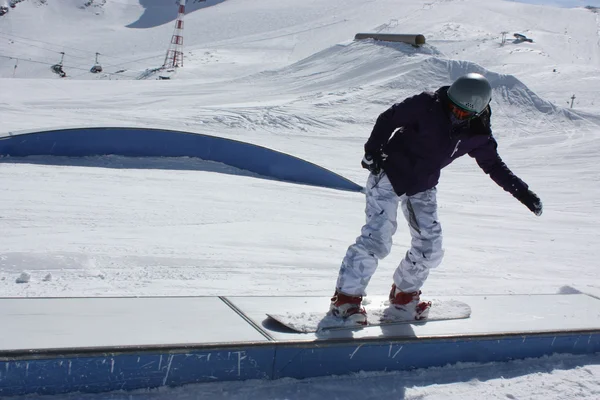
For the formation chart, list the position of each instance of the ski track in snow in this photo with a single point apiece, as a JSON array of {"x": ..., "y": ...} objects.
[{"x": 287, "y": 75}]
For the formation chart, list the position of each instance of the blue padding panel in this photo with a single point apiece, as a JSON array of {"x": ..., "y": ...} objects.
[
  {"x": 339, "y": 359},
  {"x": 138, "y": 142},
  {"x": 126, "y": 371},
  {"x": 103, "y": 373}
]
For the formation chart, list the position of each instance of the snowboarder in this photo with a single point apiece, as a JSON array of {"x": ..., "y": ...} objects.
[{"x": 409, "y": 145}]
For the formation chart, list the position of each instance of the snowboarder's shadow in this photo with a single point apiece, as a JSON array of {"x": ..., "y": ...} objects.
[
  {"x": 272, "y": 325},
  {"x": 329, "y": 328},
  {"x": 399, "y": 331}
]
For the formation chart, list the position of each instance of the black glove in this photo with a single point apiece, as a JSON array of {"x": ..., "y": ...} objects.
[
  {"x": 373, "y": 162},
  {"x": 532, "y": 201}
]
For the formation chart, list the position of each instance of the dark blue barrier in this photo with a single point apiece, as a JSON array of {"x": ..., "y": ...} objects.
[
  {"x": 353, "y": 357},
  {"x": 69, "y": 371},
  {"x": 141, "y": 142},
  {"x": 96, "y": 373}
]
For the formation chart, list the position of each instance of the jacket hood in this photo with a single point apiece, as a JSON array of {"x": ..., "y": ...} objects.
[{"x": 442, "y": 94}]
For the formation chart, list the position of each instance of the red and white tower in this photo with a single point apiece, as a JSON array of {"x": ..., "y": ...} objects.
[{"x": 174, "y": 57}]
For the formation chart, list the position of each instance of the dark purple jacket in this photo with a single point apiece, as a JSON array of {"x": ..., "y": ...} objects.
[{"x": 420, "y": 139}]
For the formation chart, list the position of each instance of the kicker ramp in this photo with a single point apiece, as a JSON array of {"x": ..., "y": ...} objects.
[{"x": 63, "y": 345}]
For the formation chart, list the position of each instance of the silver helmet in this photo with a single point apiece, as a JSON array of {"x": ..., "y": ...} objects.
[{"x": 471, "y": 92}]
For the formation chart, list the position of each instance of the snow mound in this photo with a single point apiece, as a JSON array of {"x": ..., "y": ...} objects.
[
  {"x": 25, "y": 277},
  {"x": 508, "y": 89},
  {"x": 388, "y": 72}
]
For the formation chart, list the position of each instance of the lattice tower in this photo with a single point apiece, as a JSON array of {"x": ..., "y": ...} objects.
[{"x": 174, "y": 57}]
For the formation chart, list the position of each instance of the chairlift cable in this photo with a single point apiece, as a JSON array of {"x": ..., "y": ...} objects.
[
  {"x": 58, "y": 45},
  {"x": 20, "y": 58},
  {"x": 43, "y": 48},
  {"x": 68, "y": 55},
  {"x": 78, "y": 66},
  {"x": 80, "y": 57}
]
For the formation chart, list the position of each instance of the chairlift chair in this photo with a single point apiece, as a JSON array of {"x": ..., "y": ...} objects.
[
  {"x": 522, "y": 38},
  {"x": 97, "y": 67},
  {"x": 58, "y": 68}
]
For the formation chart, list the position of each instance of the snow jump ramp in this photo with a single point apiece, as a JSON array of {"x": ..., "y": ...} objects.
[{"x": 62, "y": 345}]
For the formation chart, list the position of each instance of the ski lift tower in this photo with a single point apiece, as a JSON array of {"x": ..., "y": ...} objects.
[{"x": 174, "y": 57}]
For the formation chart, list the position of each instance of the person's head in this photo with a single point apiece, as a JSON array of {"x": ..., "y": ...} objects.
[{"x": 469, "y": 96}]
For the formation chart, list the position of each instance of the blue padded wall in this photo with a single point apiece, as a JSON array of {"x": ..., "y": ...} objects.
[
  {"x": 141, "y": 142},
  {"x": 94, "y": 373},
  {"x": 347, "y": 357},
  {"x": 127, "y": 370}
]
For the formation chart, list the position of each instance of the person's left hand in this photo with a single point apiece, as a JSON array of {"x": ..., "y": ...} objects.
[{"x": 532, "y": 201}]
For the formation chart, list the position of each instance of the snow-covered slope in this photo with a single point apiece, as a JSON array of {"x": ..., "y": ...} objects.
[
  {"x": 287, "y": 75},
  {"x": 235, "y": 37}
]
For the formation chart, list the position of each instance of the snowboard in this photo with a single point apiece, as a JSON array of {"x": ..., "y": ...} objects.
[{"x": 377, "y": 315}]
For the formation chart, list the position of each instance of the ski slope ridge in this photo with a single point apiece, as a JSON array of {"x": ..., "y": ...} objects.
[
  {"x": 291, "y": 32},
  {"x": 314, "y": 96},
  {"x": 346, "y": 75},
  {"x": 337, "y": 79}
]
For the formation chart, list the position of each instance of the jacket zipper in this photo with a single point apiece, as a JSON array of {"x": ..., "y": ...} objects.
[{"x": 456, "y": 148}]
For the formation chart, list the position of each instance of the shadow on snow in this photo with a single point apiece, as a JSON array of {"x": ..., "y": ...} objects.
[
  {"x": 122, "y": 162},
  {"x": 160, "y": 12}
]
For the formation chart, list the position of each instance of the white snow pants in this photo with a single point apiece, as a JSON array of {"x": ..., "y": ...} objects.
[{"x": 375, "y": 241}]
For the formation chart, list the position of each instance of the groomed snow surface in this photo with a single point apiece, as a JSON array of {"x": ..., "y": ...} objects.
[{"x": 287, "y": 75}]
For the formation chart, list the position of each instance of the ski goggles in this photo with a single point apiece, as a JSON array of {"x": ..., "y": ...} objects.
[{"x": 461, "y": 113}]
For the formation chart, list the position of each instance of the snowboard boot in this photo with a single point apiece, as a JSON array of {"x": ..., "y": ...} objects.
[
  {"x": 408, "y": 305},
  {"x": 348, "y": 307}
]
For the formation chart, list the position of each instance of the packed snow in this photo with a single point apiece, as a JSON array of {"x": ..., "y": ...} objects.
[{"x": 289, "y": 76}]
